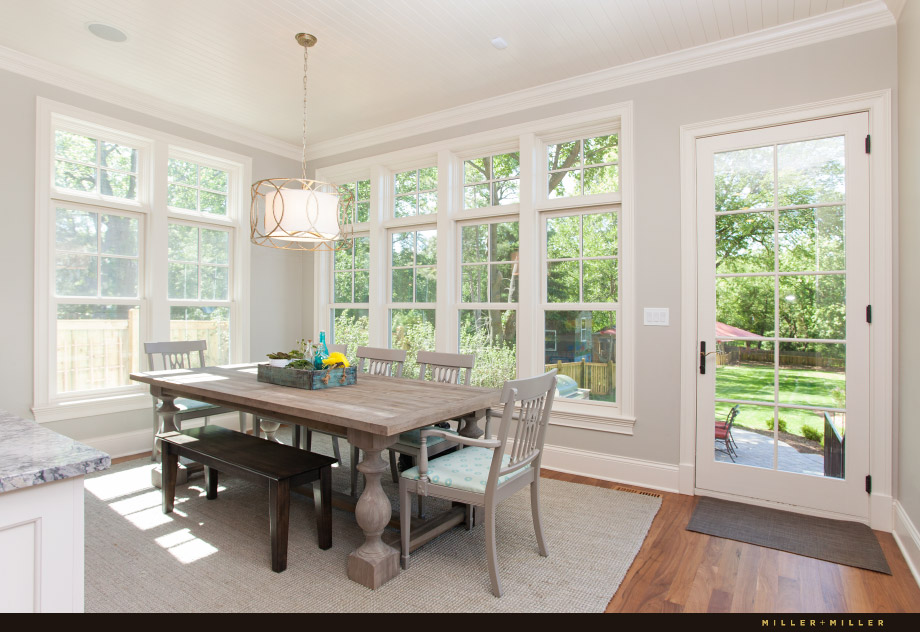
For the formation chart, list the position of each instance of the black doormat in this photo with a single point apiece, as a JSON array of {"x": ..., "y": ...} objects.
[{"x": 837, "y": 541}]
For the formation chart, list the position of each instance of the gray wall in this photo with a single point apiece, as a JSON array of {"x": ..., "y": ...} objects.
[
  {"x": 908, "y": 438},
  {"x": 276, "y": 314},
  {"x": 856, "y": 64}
]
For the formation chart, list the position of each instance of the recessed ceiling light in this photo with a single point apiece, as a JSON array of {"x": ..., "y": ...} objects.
[
  {"x": 106, "y": 32},
  {"x": 499, "y": 43}
]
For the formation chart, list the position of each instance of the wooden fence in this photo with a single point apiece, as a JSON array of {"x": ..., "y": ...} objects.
[
  {"x": 600, "y": 377},
  {"x": 743, "y": 354},
  {"x": 95, "y": 354}
]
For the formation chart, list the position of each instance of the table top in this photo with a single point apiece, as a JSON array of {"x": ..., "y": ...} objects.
[
  {"x": 32, "y": 455},
  {"x": 379, "y": 405}
]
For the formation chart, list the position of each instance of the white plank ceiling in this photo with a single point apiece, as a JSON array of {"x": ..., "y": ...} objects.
[{"x": 377, "y": 62}]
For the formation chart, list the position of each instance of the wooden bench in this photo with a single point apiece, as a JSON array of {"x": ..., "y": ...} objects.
[{"x": 282, "y": 466}]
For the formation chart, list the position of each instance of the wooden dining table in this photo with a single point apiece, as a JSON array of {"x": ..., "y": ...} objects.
[{"x": 371, "y": 414}]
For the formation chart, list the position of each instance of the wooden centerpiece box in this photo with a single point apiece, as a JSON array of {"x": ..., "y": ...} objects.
[{"x": 310, "y": 379}]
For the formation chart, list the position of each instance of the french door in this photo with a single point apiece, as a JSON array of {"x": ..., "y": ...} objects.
[{"x": 783, "y": 278}]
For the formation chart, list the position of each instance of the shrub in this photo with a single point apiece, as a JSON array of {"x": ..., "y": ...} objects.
[
  {"x": 783, "y": 426},
  {"x": 811, "y": 433}
]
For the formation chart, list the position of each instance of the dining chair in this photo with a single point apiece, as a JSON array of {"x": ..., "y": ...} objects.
[
  {"x": 444, "y": 368},
  {"x": 379, "y": 361},
  {"x": 487, "y": 471},
  {"x": 179, "y": 354}
]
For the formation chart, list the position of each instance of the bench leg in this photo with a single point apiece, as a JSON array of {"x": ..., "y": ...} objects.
[
  {"x": 322, "y": 505},
  {"x": 298, "y": 429},
  {"x": 169, "y": 469},
  {"x": 210, "y": 482},
  {"x": 279, "y": 493}
]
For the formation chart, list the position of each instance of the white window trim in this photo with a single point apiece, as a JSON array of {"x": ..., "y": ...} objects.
[
  {"x": 155, "y": 148},
  {"x": 530, "y": 139}
]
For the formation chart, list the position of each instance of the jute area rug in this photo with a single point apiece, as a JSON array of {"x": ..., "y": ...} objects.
[
  {"x": 214, "y": 556},
  {"x": 838, "y": 541}
]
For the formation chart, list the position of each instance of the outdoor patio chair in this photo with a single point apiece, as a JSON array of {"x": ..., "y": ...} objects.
[{"x": 724, "y": 433}]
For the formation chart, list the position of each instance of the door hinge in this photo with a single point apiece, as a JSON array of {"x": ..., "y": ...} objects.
[
  {"x": 869, "y": 484},
  {"x": 868, "y": 144},
  {"x": 869, "y": 314}
]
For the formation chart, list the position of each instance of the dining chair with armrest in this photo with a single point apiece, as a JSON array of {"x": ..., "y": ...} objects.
[
  {"x": 180, "y": 354},
  {"x": 487, "y": 471}
]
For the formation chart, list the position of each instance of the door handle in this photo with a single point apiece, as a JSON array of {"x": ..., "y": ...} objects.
[{"x": 703, "y": 355}]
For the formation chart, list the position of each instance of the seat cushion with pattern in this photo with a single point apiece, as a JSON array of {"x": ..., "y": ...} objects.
[
  {"x": 184, "y": 404},
  {"x": 414, "y": 437},
  {"x": 466, "y": 469}
]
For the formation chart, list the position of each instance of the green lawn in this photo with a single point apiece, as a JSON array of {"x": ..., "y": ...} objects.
[{"x": 753, "y": 382}]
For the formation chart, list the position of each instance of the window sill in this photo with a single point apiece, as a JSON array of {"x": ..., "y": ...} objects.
[
  {"x": 75, "y": 409},
  {"x": 618, "y": 424}
]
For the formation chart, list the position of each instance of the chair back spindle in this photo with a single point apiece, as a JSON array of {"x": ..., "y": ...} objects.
[
  {"x": 387, "y": 362},
  {"x": 534, "y": 397},
  {"x": 446, "y": 368},
  {"x": 175, "y": 354}
]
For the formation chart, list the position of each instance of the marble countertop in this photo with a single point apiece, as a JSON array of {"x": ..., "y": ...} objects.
[{"x": 32, "y": 455}]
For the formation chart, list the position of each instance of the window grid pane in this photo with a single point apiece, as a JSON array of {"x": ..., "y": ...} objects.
[
  {"x": 198, "y": 263},
  {"x": 416, "y": 192},
  {"x": 89, "y": 165},
  {"x": 492, "y": 180},
  {"x": 588, "y": 166},
  {"x": 413, "y": 266},
  {"x": 196, "y": 187}
]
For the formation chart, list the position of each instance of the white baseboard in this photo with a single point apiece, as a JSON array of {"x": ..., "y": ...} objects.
[
  {"x": 908, "y": 539},
  {"x": 608, "y": 467},
  {"x": 140, "y": 441}
]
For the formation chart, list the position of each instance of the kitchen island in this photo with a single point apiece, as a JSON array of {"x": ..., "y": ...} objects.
[{"x": 41, "y": 516}]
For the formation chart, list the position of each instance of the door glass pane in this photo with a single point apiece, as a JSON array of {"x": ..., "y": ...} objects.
[
  {"x": 813, "y": 374},
  {"x": 812, "y": 306},
  {"x": 744, "y": 179},
  {"x": 744, "y": 243},
  {"x": 811, "y": 172},
  {"x": 744, "y": 370},
  {"x": 812, "y": 240},
  {"x": 749, "y": 438},
  {"x": 746, "y": 305},
  {"x": 806, "y": 445}
]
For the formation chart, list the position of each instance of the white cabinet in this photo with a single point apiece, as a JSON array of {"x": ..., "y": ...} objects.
[{"x": 41, "y": 547}]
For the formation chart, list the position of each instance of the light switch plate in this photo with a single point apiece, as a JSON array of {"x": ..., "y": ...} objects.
[{"x": 657, "y": 316}]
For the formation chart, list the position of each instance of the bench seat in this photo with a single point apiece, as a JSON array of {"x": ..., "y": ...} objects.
[{"x": 281, "y": 466}]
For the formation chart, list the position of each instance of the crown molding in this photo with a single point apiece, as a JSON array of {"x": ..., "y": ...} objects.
[
  {"x": 841, "y": 23},
  {"x": 54, "y": 74},
  {"x": 836, "y": 24}
]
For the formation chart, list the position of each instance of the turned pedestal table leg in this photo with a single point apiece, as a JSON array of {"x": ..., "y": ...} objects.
[{"x": 373, "y": 563}]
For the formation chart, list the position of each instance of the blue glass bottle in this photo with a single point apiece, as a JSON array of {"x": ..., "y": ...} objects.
[{"x": 322, "y": 342}]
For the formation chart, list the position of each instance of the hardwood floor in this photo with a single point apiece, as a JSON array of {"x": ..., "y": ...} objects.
[{"x": 682, "y": 571}]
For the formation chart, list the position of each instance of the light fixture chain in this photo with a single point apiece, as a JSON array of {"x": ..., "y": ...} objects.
[{"x": 303, "y": 161}]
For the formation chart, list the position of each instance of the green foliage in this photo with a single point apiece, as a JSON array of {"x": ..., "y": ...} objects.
[
  {"x": 806, "y": 240},
  {"x": 582, "y": 236},
  {"x": 812, "y": 434},
  {"x": 491, "y": 336},
  {"x": 571, "y": 167},
  {"x": 413, "y": 330},
  {"x": 783, "y": 425},
  {"x": 351, "y": 328}
]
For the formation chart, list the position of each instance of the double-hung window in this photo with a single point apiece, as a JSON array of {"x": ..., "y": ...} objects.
[
  {"x": 137, "y": 239},
  {"x": 516, "y": 248}
]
